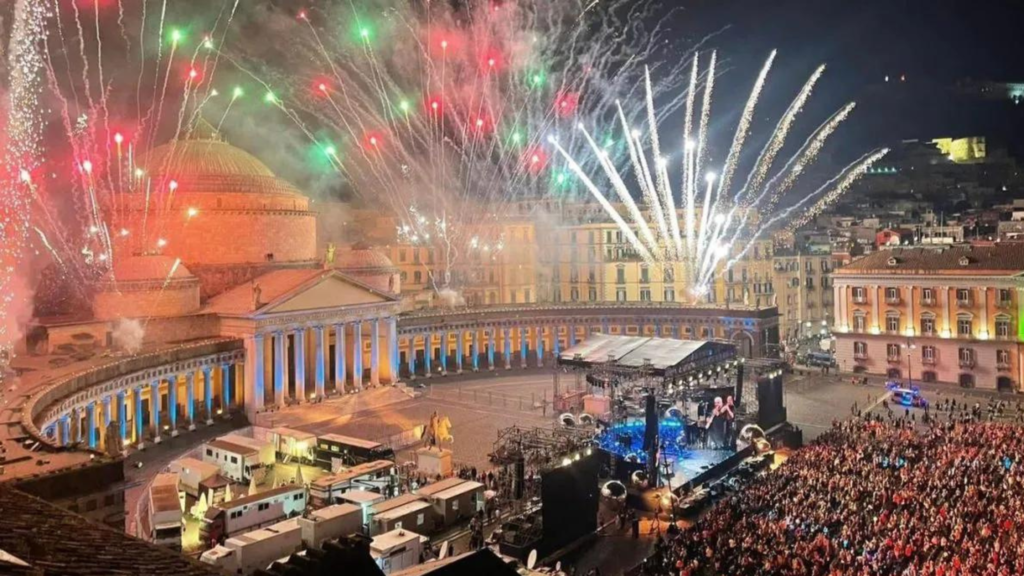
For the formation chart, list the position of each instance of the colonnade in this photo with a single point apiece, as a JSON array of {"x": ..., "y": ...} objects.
[
  {"x": 428, "y": 352},
  {"x": 298, "y": 363},
  {"x": 149, "y": 410}
]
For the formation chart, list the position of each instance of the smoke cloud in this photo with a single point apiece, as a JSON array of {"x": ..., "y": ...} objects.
[{"x": 128, "y": 335}]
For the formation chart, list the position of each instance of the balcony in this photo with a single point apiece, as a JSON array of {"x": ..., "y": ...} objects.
[
  {"x": 930, "y": 301},
  {"x": 964, "y": 302},
  {"x": 1002, "y": 365},
  {"x": 860, "y": 355},
  {"x": 860, "y": 299},
  {"x": 967, "y": 362},
  {"x": 895, "y": 300},
  {"x": 928, "y": 361},
  {"x": 893, "y": 359},
  {"x": 1004, "y": 304}
]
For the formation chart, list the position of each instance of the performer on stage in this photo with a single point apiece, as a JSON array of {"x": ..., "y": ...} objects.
[{"x": 716, "y": 425}]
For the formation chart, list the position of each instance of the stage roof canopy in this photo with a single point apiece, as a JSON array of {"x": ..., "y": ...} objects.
[{"x": 666, "y": 355}]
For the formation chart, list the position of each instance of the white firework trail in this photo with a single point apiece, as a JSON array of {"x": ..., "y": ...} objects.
[
  {"x": 706, "y": 250},
  {"x": 21, "y": 156}
]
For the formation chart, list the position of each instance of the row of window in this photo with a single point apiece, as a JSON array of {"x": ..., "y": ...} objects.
[
  {"x": 1004, "y": 296},
  {"x": 964, "y": 324},
  {"x": 929, "y": 354}
]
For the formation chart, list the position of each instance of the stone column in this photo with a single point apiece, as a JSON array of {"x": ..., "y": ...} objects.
[
  {"x": 393, "y": 359},
  {"x": 320, "y": 370},
  {"x": 539, "y": 333},
  {"x": 572, "y": 335},
  {"x": 65, "y": 426},
  {"x": 300, "y": 364},
  {"x": 444, "y": 353},
  {"x": 876, "y": 327},
  {"x": 154, "y": 409},
  {"x": 909, "y": 329},
  {"x": 208, "y": 392},
  {"x": 411, "y": 356},
  {"x": 357, "y": 355},
  {"x": 605, "y": 328},
  {"x": 524, "y": 345},
  {"x": 506, "y": 342},
  {"x": 837, "y": 305},
  {"x": 108, "y": 417},
  {"x": 556, "y": 344},
  {"x": 90, "y": 422},
  {"x": 190, "y": 399},
  {"x": 137, "y": 400},
  {"x": 279, "y": 369},
  {"x": 475, "y": 348},
  {"x": 122, "y": 417},
  {"x": 254, "y": 364},
  {"x": 226, "y": 383},
  {"x": 459, "y": 348},
  {"x": 172, "y": 403},
  {"x": 490, "y": 348},
  {"x": 984, "y": 334},
  {"x": 375, "y": 352},
  {"x": 947, "y": 318},
  {"x": 428, "y": 354},
  {"x": 339, "y": 358}
]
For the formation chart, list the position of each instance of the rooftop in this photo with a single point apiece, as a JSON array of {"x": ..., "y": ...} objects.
[
  {"x": 232, "y": 447},
  {"x": 51, "y": 540},
  {"x": 440, "y": 486},
  {"x": 997, "y": 260},
  {"x": 468, "y": 486}
]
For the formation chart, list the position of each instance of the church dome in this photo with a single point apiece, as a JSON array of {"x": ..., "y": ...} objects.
[
  {"x": 362, "y": 258},
  {"x": 204, "y": 162},
  {"x": 370, "y": 266}
]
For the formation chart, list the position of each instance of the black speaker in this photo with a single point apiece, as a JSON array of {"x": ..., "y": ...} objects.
[
  {"x": 569, "y": 500},
  {"x": 650, "y": 423},
  {"x": 738, "y": 395},
  {"x": 519, "y": 486},
  {"x": 770, "y": 410}
]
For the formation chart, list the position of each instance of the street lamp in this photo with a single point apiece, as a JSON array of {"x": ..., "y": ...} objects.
[{"x": 909, "y": 346}]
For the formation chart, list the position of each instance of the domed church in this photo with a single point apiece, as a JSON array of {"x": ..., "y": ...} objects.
[
  {"x": 218, "y": 251},
  {"x": 221, "y": 211}
]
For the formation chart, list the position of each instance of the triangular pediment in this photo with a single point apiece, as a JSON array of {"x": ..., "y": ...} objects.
[{"x": 332, "y": 291}]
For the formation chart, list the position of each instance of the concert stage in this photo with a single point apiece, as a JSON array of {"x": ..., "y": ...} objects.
[{"x": 681, "y": 451}]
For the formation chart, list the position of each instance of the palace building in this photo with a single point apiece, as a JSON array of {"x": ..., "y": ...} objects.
[{"x": 949, "y": 314}]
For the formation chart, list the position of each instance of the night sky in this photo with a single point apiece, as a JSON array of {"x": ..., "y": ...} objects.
[{"x": 934, "y": 44}]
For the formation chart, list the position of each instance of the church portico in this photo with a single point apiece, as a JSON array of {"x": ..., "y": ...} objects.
[{"x": 312, "y": 333}]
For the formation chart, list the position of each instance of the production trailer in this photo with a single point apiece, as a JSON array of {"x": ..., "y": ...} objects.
[
  {"x": 192, "y": 473},
  {"x": 238, "y": 457},
  {"x": 334, "y": 451},
  {"x": 377, "y": 476},
  {"x": 228, "y": 519},
  {"x": 454, "y": 501},
  {"x": 294, "y": 445}
]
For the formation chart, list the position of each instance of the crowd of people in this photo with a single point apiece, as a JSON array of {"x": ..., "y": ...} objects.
[{"x": 870, "y": 497}]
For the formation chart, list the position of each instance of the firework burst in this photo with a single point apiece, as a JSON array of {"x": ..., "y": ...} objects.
[{"x": 707, "y": 244}]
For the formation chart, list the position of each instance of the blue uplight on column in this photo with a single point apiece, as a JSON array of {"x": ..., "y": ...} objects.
[
  {"x": 444, "y": 352},
  {"x": 190, "y": 399},
  {"x": 475, "y": 346},
  {"x": 524, "y": 343},
  {"x": 208, "y": 392},
  {"x": 319, "y": 375},
  {"x": 490, "y": 349},
  {"x": 90, "y": 422}
]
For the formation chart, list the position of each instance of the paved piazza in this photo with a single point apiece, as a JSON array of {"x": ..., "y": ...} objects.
[{"x": 481, "y": 404}]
